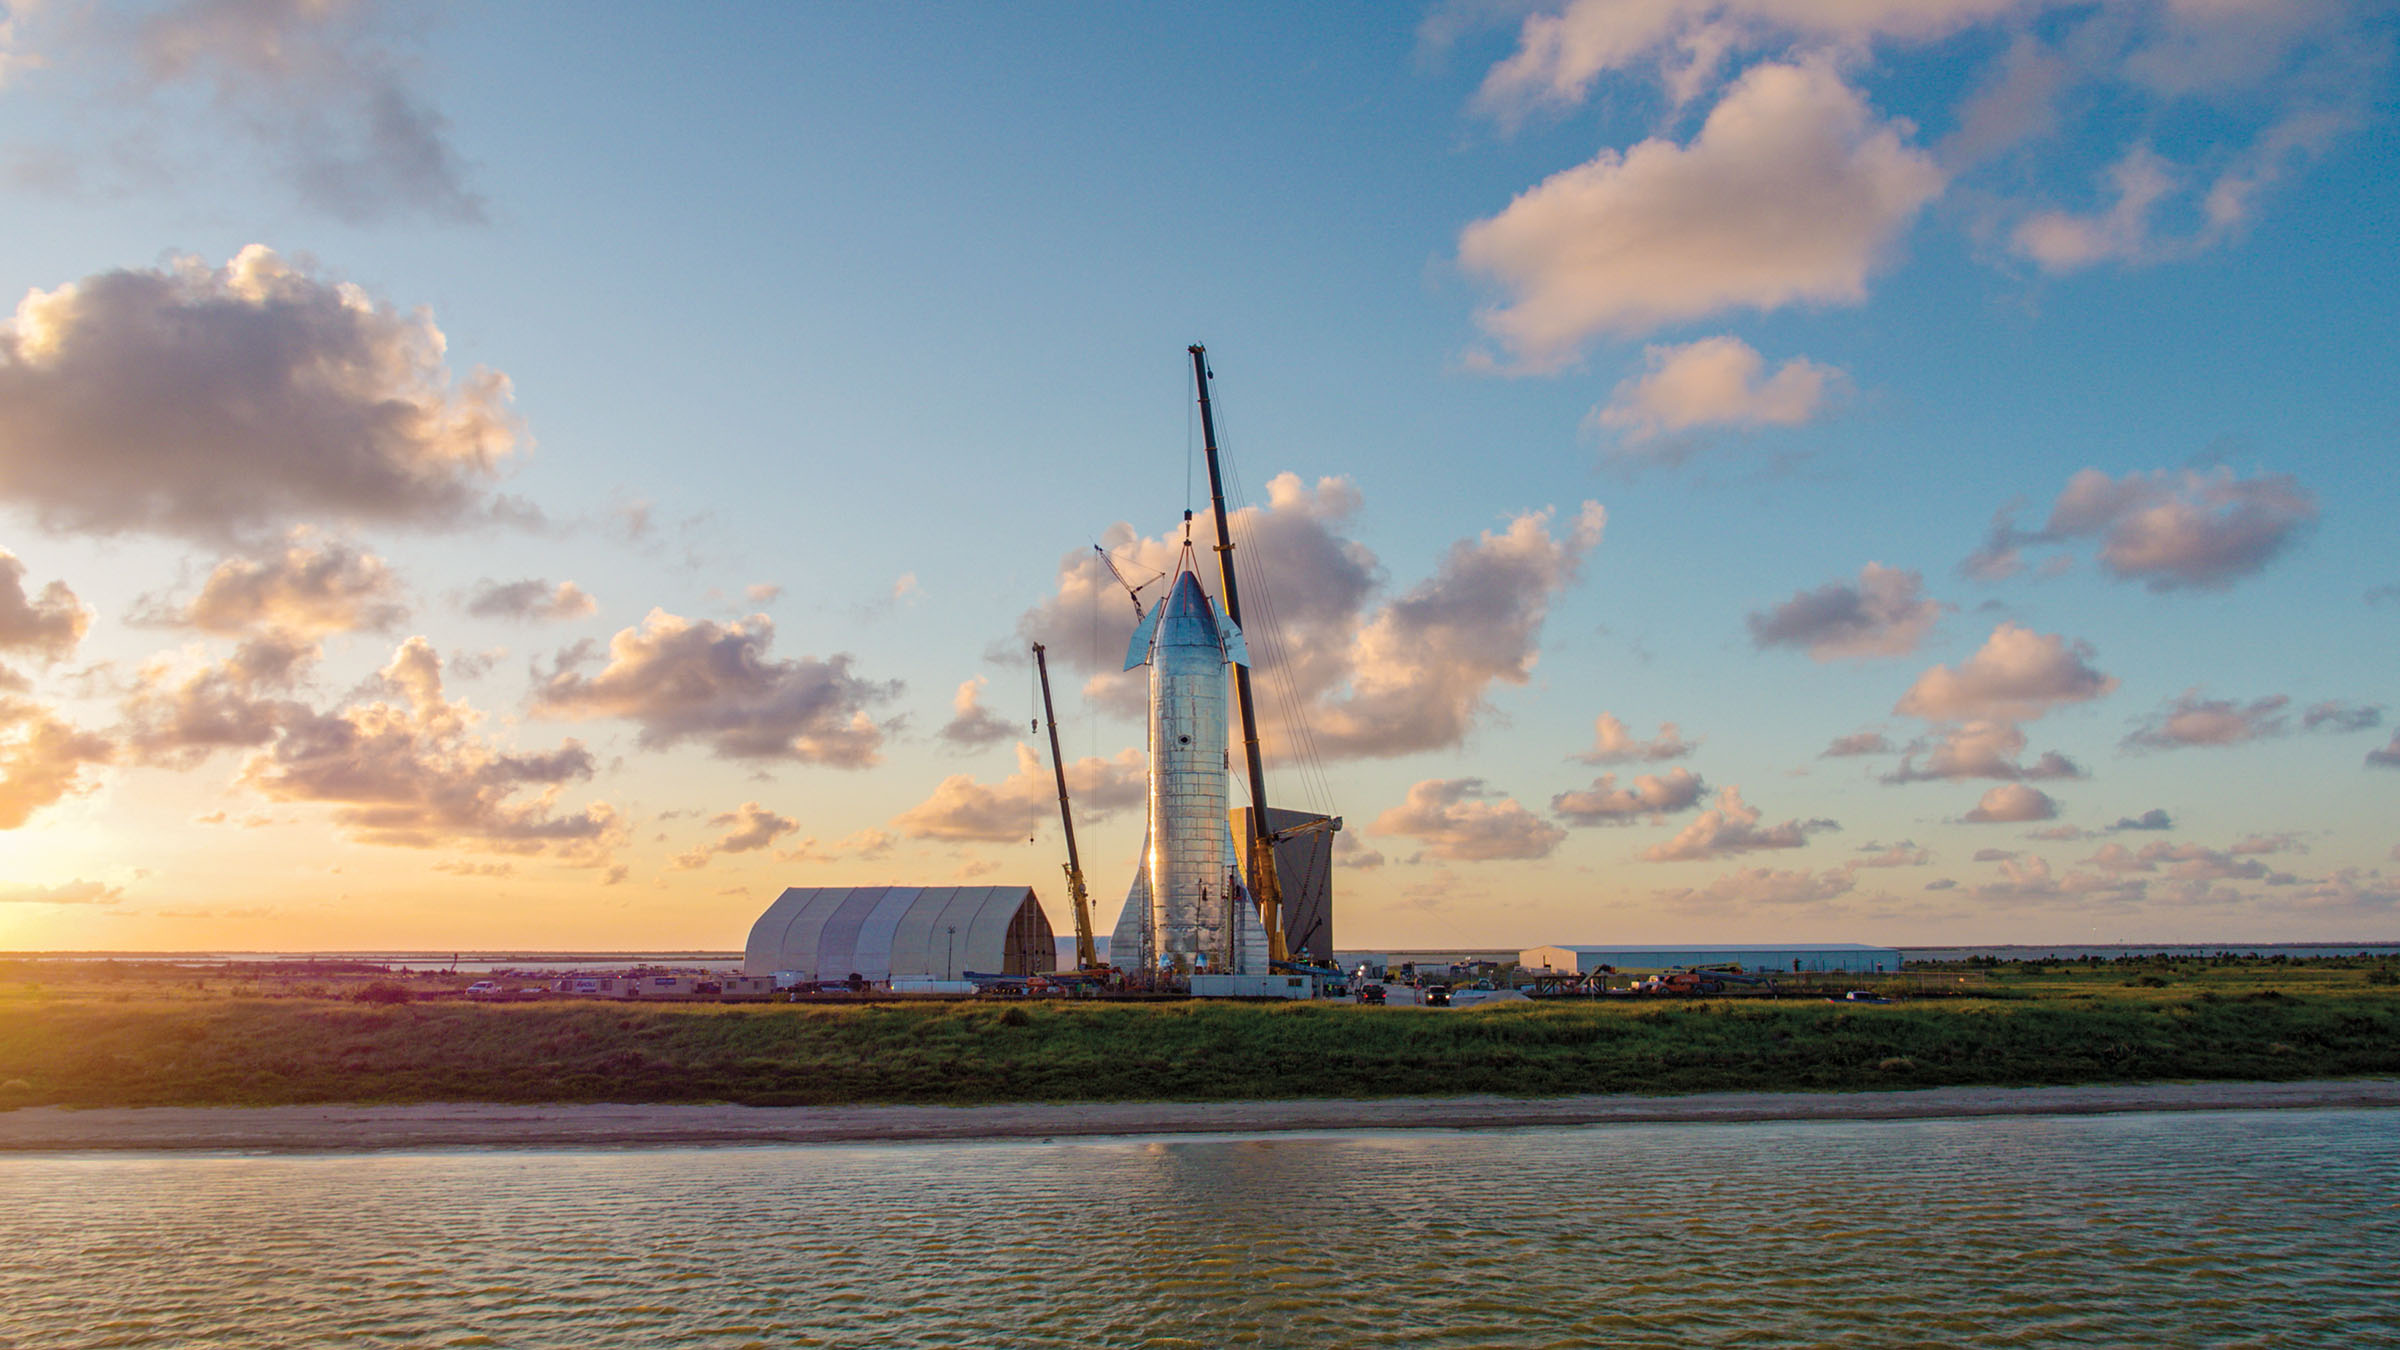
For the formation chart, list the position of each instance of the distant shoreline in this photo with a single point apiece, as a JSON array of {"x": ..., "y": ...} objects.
[{"x": 483, "y": 1125}]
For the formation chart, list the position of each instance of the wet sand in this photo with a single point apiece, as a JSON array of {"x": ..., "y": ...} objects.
[{"x": 302, "y": 1128}]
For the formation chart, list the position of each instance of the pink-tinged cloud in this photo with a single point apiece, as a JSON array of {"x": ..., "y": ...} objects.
[
  {"x": 2388, "y": 757},
  {"x": 2031, "y": 881},
  {"x": 2169, "y": 529},
  {"x": 2335, "y": 716},
  {"x": 748, "y": 828},
  {"x": 1732, "y": 827},
  {"x": 530, "y": 601},
  {"x": 2187, "y": 862},
  {"x": 695, "y": 680},
  {"x": 1371, "y": 681},
  {"x": 1884, "y": 613},
  {"x": 971, "y": 724},
  {"x": 1562, "y": 49},
  {"x": 1714, "y": 382},
  {"x": 176, "y": 716},
  {"x": 863, "y": 844},
  {"x": 76, "y": 892},
  {"x": 309, "y": 588},
  {"x": 1858, "y": 743},
  {"x": 1979, "y": 750},
  {"x": 1613, "y": 744},
  {"x": 48, "y": 624},
  {"x": 1447, "y": 815},
  {"x": 1421, "y": 669},
  {"x": 216, "y": 403},
  {"x": 42, "y": 759},
  {"x": 1666, "y": 233},
  {"x": 1648, "y": 797},
  {"x": 2018, "y": 675},
  {"x": 404, "y": 767},
  {"x": 2191, "y": 720},
  {"x": 2012, "y": 804},
  {"x": 1762, "y": 888},
  {"x": 2155, "y": 818},
  {"x": 1017, "y": 807}
]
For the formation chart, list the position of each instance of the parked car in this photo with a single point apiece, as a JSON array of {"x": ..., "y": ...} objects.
[
  {"x": 1371, "y": 993},
  {"x": 485, "y": 989},
  {"x": 1437, "y": 996}
]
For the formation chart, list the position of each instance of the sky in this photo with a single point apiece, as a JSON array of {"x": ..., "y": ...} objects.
[{"x": 1896, "y": 471}]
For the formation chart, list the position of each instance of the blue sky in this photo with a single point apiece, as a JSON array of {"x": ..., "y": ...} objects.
[{"x": 478, "y": 480}]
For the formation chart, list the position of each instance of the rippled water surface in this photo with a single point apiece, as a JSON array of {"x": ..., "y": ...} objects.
[{"x": 2233, "y": 1228}]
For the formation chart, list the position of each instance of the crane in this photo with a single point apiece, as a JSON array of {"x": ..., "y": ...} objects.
[
  {"x": 1132, "y": 592},
  {"x": 1087, "y": 957}
]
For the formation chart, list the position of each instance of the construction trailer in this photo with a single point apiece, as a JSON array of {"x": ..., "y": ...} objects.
[
  {"x": 1254, "y": 986},
  {"x": 1789, "y": 958}
]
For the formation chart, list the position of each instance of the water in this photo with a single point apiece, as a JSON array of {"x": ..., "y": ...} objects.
[{"x": 2231, "y": 1228}]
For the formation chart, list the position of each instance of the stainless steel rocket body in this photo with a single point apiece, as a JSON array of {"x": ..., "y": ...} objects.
[{"x": 1187, "y": 910}]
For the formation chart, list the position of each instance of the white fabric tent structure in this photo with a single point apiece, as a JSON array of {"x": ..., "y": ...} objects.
[{"x": 878, "y": 932}]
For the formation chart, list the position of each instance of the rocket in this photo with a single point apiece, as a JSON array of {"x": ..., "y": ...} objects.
[{"x": 1188, "y": 911}]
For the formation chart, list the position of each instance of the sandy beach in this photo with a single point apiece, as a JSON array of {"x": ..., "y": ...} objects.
[{"x": 468, "y": 1125}]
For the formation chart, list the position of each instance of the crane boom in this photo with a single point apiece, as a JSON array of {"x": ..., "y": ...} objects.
[
  {"x": 1087, "y": 957},
  {"x": 1264, "y": 885}
]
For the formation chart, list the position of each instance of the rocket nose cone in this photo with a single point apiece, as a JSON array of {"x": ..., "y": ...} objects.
[{"x": 1190, "y": 620}]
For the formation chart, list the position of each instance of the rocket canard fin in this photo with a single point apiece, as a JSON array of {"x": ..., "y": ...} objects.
[{"x": 1137, "y": 652}]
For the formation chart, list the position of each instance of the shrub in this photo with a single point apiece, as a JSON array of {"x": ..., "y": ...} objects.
[{"x": 382, "y": 991}]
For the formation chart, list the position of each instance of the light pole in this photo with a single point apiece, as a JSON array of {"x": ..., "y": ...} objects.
[{"x": 949, "y": 955}]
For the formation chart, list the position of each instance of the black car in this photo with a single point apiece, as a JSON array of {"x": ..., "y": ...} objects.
[
  {"x": 1371, "y": 993},
  {"x": 1437, "y": 996}
]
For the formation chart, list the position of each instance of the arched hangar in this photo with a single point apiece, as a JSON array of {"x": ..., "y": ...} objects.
[{"x": 878, "y": 932}]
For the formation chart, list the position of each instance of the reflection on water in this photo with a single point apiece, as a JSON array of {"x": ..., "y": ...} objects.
[{"x": 2233, "y": 1228}]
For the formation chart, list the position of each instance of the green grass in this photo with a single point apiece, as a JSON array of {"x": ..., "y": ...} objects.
[{"x": 94, "y": 1048}]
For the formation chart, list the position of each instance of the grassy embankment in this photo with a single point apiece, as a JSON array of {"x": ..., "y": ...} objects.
[{"x": 105, "y": 1040}]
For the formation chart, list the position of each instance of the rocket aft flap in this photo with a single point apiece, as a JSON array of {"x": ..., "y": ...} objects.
[{"x": 1188, "y": 910}]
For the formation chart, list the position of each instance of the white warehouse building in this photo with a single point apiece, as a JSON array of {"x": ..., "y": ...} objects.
[{"x": 1792, "y": 958}]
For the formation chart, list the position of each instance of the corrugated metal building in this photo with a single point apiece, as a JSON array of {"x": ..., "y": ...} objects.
[
  {"x": 877, "y": 932},
  {"x": 1792, "y": 957}
]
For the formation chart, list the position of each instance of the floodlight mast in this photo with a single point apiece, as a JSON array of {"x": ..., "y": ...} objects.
[
  {"x": 1264, "y": 885},
  {"x": 1087, "y": 957}
]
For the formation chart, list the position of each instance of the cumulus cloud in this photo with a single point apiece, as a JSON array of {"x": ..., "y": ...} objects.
[
  {"x": 1884, "y": 613},
  {"x": 76, "y": 892},
  {"x": 1449, "y": 817},
  {"x": 698, "y": 680},
  {"x": 2169, "y": 529},
  {"x": 176, "y": 716},
  {"x": 2192, "y": 720},
  {"x": 42, "y": 759},
  {"x": 1420, "y": 669},
  {"x": 1613, "y": 744},
  {"x": 1664, "y": 233},
  {"x": 1731, "y": 827},
  {"x": 2013, "y": 803},
  {"x": 971, "y": 724},
  {"x": 1763, "y": 888},
  {"x": 748, "y": 828},
  {"x": 1015, "y": 807},
  {"x": 532, "y": 601},
  {"x": 1718, "y": 381},
  {"x": 2018, "y": 674},
  {"x": 2388, "y": 757},
  {"x": 324, "y": 95},
  {"x": 406, "y": 767},
  {"x": 1413, "y": 673},
  {"x": 2334, "y": 716},
  {"x": 1857, "y": 743},
  {"x": 867, "y": 843},
  {"x": 310, "y": 588},
  {"x": 2030, "y": 880},
  {"x": 1651, "y": 796},
  {"x": 2062, "y": 241},
  {"x": 1979, "y": 750},
  {"x": 47, "y": 624},
  {"x": 211, "y": 403},
  {"x": 2153, "y": 819}
]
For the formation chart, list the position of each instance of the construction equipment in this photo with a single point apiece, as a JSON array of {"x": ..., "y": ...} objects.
[
  {"x": 1265, "y": 887},
  {"x": 1087, "y": 957}
]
